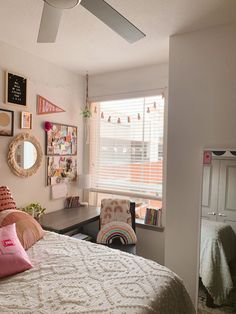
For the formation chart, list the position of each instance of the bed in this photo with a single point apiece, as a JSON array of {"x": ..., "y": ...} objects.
[
  {"x": 75, "y": 276},
  {"x": 218, "y": 250}
]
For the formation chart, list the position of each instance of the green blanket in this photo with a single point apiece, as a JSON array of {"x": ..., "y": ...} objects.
[{"x": 218, "y": 249}]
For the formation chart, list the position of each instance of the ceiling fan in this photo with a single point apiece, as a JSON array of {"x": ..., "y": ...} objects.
[{"x": 53, "y": 9}]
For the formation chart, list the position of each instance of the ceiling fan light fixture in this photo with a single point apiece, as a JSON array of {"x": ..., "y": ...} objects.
[
  {"x": 53, "y": 10},
  {"x": 63, "y": 4}
]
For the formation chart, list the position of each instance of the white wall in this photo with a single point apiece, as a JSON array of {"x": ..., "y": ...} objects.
[
  {"x": 63, "y": 88},
  {"x": 130, "y": 83},
  {"x": 202, "y": 112},
  {"x": 138, "y": 82},
  {"x": 150, "y": 244}
]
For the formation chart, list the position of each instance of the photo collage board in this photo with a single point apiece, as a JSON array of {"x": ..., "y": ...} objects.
[{"x": 61, "y": 151}]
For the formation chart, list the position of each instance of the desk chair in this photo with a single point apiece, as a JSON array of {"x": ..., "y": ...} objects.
[{"x": 117, "y": 225}]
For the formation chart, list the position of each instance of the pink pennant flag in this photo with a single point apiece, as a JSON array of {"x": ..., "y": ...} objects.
[{"x": 46, "y": 107}]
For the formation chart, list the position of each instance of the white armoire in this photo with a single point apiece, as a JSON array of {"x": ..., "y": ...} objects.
[{"x": 219, "y": 191}]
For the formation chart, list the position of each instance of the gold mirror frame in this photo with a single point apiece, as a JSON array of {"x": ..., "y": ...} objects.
[{"x": 12, "y": 150}]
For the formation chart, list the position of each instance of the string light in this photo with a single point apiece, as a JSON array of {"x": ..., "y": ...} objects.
[
  {"x": 95, "y": 109},
  {"x": 149, "y": 109}
]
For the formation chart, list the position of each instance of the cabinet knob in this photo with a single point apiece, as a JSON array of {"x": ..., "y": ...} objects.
[
  {"x": 212, "y": 214},
  {"x": 222, "y": 215}
]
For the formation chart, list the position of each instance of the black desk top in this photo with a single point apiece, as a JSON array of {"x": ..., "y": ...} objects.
[{"x": 64, "y": 220}]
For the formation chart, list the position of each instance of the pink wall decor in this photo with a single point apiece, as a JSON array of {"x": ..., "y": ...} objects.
[
  {"x": 44, "y": 106},
  {"x": 207, "y": 156},
  {"x": 47, "y": 126}
]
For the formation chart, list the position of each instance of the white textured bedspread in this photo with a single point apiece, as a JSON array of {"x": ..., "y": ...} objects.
[
  {"x": 74, "y": 276},
  {"x": 218, "y": 249}
]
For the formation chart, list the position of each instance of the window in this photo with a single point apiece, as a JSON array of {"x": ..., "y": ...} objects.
[{"x": 126, "y": 147}]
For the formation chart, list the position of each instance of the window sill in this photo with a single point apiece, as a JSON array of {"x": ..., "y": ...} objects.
[{"x": 140, "y": 224}]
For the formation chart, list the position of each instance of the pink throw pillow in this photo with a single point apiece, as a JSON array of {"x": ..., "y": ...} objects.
[{"x": 13, "y": 258}]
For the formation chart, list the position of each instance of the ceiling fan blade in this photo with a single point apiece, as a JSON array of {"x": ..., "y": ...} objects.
[
  {"x": 49, "y": 24},
  {"x": 113, "y": 19}
]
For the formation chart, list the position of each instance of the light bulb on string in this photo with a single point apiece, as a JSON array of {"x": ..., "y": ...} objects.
[
  {"x": 128, "y": 119},
  {"x": 139, "y": 117},
  {"x": 95, "y": 109},
  {"x": 102, "y": 115},
  {"x": 118, "y": 120},
  {"x": 109, "y": 119},
  {"x": 148, "y": 110},
  {"x": 155, "y": 105}
]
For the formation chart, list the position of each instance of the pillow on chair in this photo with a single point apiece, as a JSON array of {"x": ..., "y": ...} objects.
[
  {"x": 114, "y": 230},
  {"x": 115, "y": 210},
  {"x": 28, "y": 229},
  {"x": 6, "y": 199}
]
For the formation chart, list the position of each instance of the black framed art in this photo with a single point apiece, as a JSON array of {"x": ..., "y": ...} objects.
[
  {"x": 16, "y": 89},
  {"x": 6, "y": 122}
]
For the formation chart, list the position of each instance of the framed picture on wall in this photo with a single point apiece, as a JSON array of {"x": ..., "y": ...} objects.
[
  {"x": 16, "y": 89},
  {"x": 61, "y": 140},
  {"x": 6, "y": 122},
  {"x": 26, "y": 120}
]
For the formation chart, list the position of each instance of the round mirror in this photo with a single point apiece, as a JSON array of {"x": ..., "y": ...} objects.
[{"x": 25, "y": 155}]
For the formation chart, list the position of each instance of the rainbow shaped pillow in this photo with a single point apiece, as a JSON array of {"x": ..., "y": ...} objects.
[{"x": 114, "y": 230}]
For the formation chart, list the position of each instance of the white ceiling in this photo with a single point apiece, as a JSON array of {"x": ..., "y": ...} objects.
[{"x": 86, "y": 44}]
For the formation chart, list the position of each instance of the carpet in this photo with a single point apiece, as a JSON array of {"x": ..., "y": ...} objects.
[{"x": 230, "y": 307}]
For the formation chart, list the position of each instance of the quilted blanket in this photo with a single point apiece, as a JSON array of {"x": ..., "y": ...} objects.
[
  {"x": 75, "y": 276},
  {"x": 218, "y": 249}
]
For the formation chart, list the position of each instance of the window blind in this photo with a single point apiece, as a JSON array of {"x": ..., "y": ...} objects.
[{"x": 126, "y": 146}]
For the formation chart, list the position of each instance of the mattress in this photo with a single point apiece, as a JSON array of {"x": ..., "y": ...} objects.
[
  {"x": 75, "y": 276},
  {"x": 218, "y": 249}
]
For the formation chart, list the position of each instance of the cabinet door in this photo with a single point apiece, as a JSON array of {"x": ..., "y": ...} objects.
[
  {"x": 227, "y": 193},
  {"x": 210, "y": 190}
]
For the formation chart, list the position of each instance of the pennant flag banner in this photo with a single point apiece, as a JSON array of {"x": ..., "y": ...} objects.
[{"x": 46, "y": 107}]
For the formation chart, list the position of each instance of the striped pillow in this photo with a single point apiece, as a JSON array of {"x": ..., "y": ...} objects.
[
  {"x": 28, "y": 229},
  {"x": 6, "y": 199}
]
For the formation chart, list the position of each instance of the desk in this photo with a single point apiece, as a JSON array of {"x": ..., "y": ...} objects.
[{"x": 65, "y": 220}]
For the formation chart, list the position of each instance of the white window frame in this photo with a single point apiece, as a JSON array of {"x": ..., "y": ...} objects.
[{"x": 124, "y": 96}]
